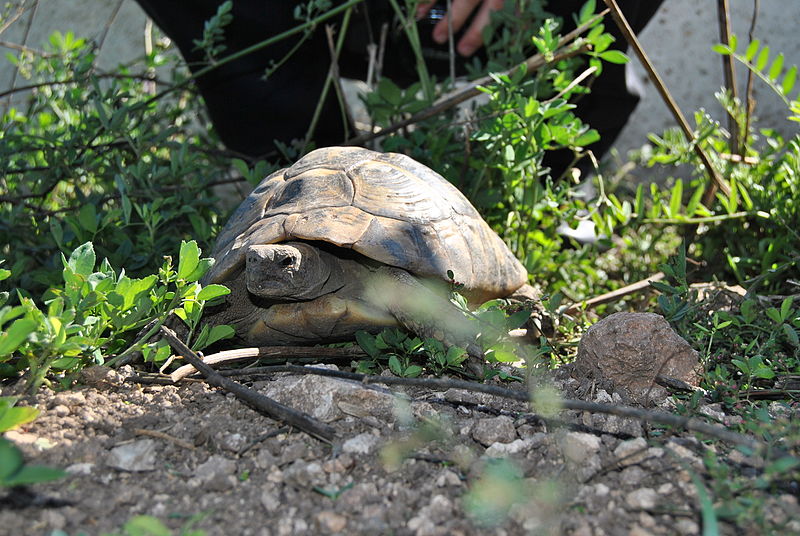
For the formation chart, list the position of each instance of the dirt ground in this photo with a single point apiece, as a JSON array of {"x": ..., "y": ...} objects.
[{"x": 405, "y": 461}]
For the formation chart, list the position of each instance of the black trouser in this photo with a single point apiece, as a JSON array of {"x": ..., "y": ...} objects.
[{"x": 250, "y": 112}]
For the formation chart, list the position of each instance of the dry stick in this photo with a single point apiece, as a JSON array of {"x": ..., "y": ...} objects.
[
  {"x": 289, "y": 352},
  {"x": 161, "y": 435},
  {"x": 723, "y": 13},
  {"x": 457, "y": 97},
  {"x": 262, "y": 403},
  {"x": 660, "y": 417},
  {"x": 614, "y": 295},
  {"x": 751, "y": 103},
  {"x": 716, "y": 179}
]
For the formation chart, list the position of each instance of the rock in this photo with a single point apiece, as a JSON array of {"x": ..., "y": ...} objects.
[
  {"x": 631, "y": 476},
  {"x": 133, "y": 457},
  {"x": 643, "y": 498},
  {"x": 233, "y": 442},
  {"x": 461, "y": 396},
  {"x": 630, "y": 350},
  {"x": 501, "y": 450},
  {"x": 99, "y": 376},
  {"x": 631, "y": 451},
  {"x": 320, "y": 396},
  {"x": 216, "y": 474},
  {"x": 270, "y": 500},
  {"x": 579, "y": 446},
  {"x": 69, "y": 399},
  {"x": 80, "y": 469},
  {"x": 303, "y": 474},
  {"x": 438, "y": 511},
  {"x": 494, "y": 430},
  {"x": 361, "y": 444},
  {"x": 448, "y": 478},
  {"x": 330, "y": 521}
]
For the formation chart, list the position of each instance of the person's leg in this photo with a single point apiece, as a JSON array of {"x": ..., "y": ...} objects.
[
  {"x": 612, "y": 99},
  {"x": 249, "y": 111}
]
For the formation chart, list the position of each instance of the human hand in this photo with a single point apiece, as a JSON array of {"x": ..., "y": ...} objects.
[{"x": 460, "y": 10}]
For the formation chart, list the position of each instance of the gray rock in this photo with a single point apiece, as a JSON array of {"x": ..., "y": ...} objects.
[
  {"x": 631, "y": 451},
  {"x": 303, "y": 474},
  {"x": 233, "y": 442},
  {"x": 644, "y": 498},
  {"x": 270, "y": 499},
  {"x": 133, "y": 457},
  {"x": 631, "y": 476},
  {"x": 501, "y": 450},
  {"x": 361, "y": 444},
  {"x": 216, "y": 474},
  {"x": 329, "y": 521},
  {"x": 80, "y": 469},
  {"x": 494, "y": 430},
  {"x": 631, "y": 349},
  {"x": 579, "y": 446},
  {"x": 320, "y": 396}
]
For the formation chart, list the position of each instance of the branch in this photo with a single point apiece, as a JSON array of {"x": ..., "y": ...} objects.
[
  {"x": 452, "y": 99},
  {"x": 264, "y": 404},
  {"x": 660, "y": 417},
  {"x": 716, "y": 179}
]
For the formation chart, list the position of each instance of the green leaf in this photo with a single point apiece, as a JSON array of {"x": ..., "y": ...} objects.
[
  {"x": 10, "y": 418},
  {"x": 752, "y": 48},
  {"x": 774, "y": 315},
  {"x": 614, "y": 56},
  {"x": 517, "y": 319},
  {"x": 146, "y": 526},
  {"x": 394, "y": 365},
  {"x": 788, "y": 81},
  {"x": 82, "y": 260},
  {"x": 786, "y": 308},
  {"x": 33, "y": 474},
  {"x": 218, "y": 333},
  {"x": 412, "y": 371},
  {"x": 367, "y": 343},
  {"x": 725, "y": 50},
  {"x": 791, "y": 335},
  {"x": 15, "y": 335},
  {"x": 87, "y": 217},
  {"x": 10, "y": 459},
  {"x": 763, "y": 58},
  {"x": 776, "y": 68},
  {"x": 188, "y": 259},
  {"x": 586, "y": 12},
  {"x": 200, "y": 270},
  {"x": 676, "y": 199},
  {"x": 4, "y": 274},
  {"x": 748, "y": 310},
  {"x": 209, "y": 292}
]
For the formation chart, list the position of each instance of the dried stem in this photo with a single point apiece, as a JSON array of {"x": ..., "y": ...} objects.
[
  {"x": 659, "y": 417},
  {"x": 723, "y": 13},
  {"x": 262, "y": 403}
]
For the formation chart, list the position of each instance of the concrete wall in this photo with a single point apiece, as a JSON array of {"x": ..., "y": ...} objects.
[{"x": 679, "y": 41}]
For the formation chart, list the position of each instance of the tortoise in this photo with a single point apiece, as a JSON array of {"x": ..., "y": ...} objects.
[{"x": 349, "y": 239}]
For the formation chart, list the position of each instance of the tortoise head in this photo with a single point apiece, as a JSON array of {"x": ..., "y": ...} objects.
[{"x": 291, "y": 271}]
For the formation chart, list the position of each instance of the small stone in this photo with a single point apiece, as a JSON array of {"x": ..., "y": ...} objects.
[
  {"x": 134, "y": 457},
  {"x": 579, "y": 446},
  {"x": 632, "y": 476},
  {"x": 302, "y": 474},
  {"x": 216, "y": 473},
  {"x": 80, "y": 469},
  {"x": 448, "y": 478},
  {"x": 666, "y": 488},
  {"x": 493, "y": 430},
  {"x": 501, "y": 450},
  {"x": 99, "y": 376},
  {"x": 330, "y": 521},
  {"x": 60, "y": 410},
  {"x": 460, "y": 396},
  {"x": 686, "y": 526},
  {"x": 361, "y": 444},
  {"x": 638, "y": 530},
  {"x": 233, "y": 442},
  {"x": 69, "y": 399},
  {"x": 270, "y": 500},
  {"x": 265, "y": 459},
  {"x": 643, "y": 498},
  {"x": 631, "y": 451}
]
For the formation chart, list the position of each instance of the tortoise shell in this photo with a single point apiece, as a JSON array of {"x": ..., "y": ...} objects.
[{"x": 385, "y": 206}]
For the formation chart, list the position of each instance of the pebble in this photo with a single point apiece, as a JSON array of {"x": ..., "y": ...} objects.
[
  {"x": 361, "y": 444},
  {"x": 501, "y": 450},
  {"x": 579, "y": 446},
  {"x": 216, "y": 473},
  {"x": 303, "y": 474},
  {"x": 644, "y": 498},
  {"x": 493, "y": 430},
  {"x": 133, "y": 457},
  {"x": 330, "y": 521},
  {"x": 631, "y": 451}
]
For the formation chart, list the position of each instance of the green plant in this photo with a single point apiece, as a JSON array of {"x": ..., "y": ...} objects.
[
  {"x": 95, "y": 311},
  {"x": 13, "y": 469}
]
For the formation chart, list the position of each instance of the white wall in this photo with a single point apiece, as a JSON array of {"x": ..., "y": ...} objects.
[{"x": 678, "y": 40}]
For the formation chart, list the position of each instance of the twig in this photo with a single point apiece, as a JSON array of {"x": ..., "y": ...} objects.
[
  {"x": 716, "y": 179},
  {"x": 262, "y": 403},
  {"x": 161, "y": 435},
  {"x": 660, "y": 417},
  {"x": 102, "y": 39},
  {"x": 614, "y": 295},
  {"x": 723, "y": 13},
  {"x": 457, "y": 97},
  {"x": 750, "y": 104},
  {"x": 289, "y": 352}
]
